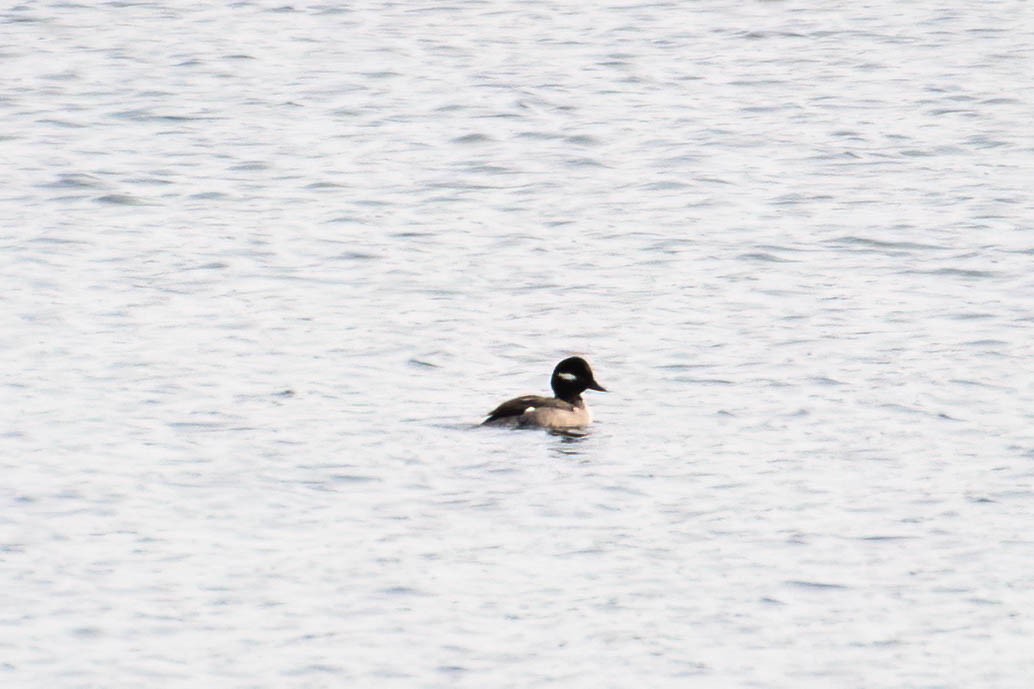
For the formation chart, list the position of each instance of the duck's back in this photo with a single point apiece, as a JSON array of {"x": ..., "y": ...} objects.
[{"x": 534, "y": 410}]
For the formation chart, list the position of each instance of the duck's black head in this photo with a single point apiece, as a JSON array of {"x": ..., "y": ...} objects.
[{"x": 571, "y": 377}]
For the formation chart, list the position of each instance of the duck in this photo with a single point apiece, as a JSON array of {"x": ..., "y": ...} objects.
[{"x": 564, "y": 411}]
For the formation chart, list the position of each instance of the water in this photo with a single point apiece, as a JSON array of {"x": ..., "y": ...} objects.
[{"x": 264, "y": 267}]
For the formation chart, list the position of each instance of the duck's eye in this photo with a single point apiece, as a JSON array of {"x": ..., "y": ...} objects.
[{"x": 568, "y": 376}]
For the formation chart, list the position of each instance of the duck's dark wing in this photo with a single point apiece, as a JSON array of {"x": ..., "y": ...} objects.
[{"x": 518, "y": 405}]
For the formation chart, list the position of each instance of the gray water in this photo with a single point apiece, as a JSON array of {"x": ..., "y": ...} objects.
[{"x": 265, "y": 266}]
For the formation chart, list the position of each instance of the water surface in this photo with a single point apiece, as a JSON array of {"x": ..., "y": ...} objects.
[{"x": 264, "y": 267}]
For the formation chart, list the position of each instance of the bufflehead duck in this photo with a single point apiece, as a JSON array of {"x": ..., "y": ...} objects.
[{"x": 566, "y": 409}]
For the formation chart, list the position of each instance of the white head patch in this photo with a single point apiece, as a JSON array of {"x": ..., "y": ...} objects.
[{"x": 568, "y": 376}]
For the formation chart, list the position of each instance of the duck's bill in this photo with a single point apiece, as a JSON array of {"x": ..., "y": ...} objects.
[{"x": 596, "y": 386}]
